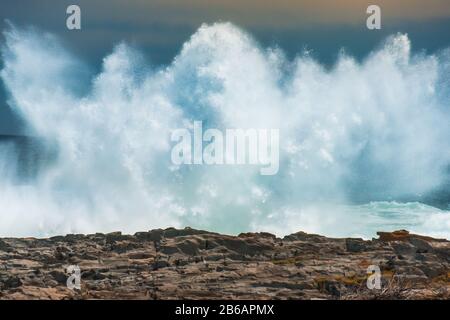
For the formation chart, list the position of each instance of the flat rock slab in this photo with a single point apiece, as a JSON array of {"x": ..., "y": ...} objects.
[{"x": 197, "y": 264}]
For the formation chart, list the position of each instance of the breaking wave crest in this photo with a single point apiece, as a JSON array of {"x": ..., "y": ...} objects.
[{"x": 358, "y": 131}]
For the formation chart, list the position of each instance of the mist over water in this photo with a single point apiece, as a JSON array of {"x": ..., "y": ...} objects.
[{"x": 353, "y": 133}]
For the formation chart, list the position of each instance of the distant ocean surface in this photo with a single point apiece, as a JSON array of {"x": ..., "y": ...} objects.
[
  {"x": 415, "y": 217},
  {"x": 23, "y": 158}
]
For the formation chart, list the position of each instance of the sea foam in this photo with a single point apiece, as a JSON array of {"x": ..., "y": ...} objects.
[{"x": 371, "y": 129}]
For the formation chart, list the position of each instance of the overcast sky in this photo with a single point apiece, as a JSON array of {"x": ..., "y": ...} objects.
[{"x": 159, "y": 27}]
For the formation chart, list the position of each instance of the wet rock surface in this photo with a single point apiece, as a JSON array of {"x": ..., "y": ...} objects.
[{"x": 196, "y": 264}]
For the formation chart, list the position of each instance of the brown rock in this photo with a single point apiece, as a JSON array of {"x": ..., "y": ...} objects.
[{"x": 195, "y": 264}]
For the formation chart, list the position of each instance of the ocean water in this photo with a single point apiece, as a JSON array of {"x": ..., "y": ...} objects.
[
  {"x": 376, "y": 216},
  {"x": 364, "y": 145}
]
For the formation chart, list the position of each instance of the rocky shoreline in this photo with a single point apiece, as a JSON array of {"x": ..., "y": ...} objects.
[{"x": 195, "y": 264}]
